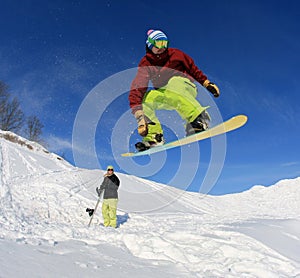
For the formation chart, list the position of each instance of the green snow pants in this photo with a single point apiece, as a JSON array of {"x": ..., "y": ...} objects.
[
  {"x": 109, "y": 212},
  {"x": 180, "y": 95}
]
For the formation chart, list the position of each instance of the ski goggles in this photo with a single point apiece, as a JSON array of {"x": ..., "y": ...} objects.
[
  {"x": 110, "y": 169},
  {"x": 159, "y": 43}
]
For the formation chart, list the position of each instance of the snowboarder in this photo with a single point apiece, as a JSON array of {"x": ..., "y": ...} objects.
[
  {"x": 172, "y": 73},
  {"x": 109, "y": 188}
]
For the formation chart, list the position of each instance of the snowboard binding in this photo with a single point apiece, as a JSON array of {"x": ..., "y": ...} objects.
[
  {"x": 201, "y": 123},
  {"x": 143, "y": 146},
  {"x": 90, "y": 211}
]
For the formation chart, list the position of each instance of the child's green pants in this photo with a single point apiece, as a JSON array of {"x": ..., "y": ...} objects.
[{"x": 109, "y": 212}]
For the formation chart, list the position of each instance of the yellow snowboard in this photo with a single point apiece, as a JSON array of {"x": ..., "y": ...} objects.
[{"x": 229, "y": 125}]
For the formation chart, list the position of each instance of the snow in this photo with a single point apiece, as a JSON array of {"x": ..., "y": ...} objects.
[{"x": 162, "y": 232}]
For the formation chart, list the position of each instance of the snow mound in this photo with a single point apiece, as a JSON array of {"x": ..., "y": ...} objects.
[{"x": 163, "y": 231}]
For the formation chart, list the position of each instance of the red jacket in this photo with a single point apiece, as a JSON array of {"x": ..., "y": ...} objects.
[{"x": 159, "y": 69}]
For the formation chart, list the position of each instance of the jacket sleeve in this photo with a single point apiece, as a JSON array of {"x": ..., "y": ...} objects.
[
  {"x": 117, "y": 181},
  {"x": 193, "y": 70},
  {"x": 139, "y": 86},
  {"x": 104, "y": 184}
]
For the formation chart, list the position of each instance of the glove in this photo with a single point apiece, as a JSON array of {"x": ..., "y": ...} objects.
[
  {"x": 98, "y": 191},
  {"x": 142, "y": 122},
  {"x": 211, "y": 87}
]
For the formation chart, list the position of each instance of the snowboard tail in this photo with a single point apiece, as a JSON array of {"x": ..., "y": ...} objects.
[
  {"x": 93, "y": 211},
  {"x": 229, "y": 125}
]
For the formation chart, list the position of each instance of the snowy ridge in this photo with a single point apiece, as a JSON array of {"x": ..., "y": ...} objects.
[{"x": 163, "y": 231}]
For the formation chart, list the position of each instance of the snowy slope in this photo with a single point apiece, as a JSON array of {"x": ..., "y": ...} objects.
[{"x": 163, "y": 231}]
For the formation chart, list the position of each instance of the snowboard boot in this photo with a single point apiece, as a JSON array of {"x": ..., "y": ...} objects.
[
  {"x": 143, "y": 146},
  {"x": 198, "y": 125}
]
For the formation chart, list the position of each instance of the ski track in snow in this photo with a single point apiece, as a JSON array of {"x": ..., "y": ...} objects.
[{"x": 163, "y": 231}]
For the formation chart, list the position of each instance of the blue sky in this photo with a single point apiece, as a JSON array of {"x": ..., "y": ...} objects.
[{"x": 53, "y": 54}]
